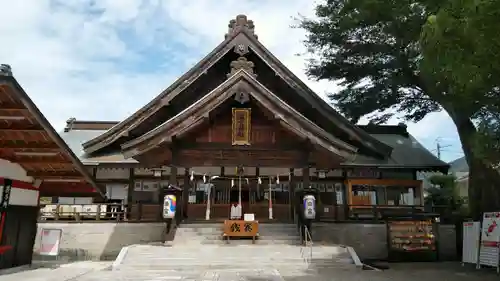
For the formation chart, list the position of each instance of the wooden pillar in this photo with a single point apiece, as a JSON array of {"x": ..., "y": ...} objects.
[
  {"x": 305, "y": 164},
  {"x": 130, "y": 191},
  {"x": 161, "y": 195},
  {"x": 173, "y": 181},
  {"x": 306, "y": 180},
  {"x": 291, "y": 193},
  {"x": 185, "y": 193}
]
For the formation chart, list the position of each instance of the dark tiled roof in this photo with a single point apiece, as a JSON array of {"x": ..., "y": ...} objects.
[
  {"x": 75, "y": 139},
  {"x": 407, "y": 152}
]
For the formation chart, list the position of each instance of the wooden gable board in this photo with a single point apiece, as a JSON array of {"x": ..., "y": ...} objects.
[{"x": 195, "y": 115}]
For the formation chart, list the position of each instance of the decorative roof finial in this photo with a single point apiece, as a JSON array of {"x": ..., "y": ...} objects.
[
  {"x": 5, "y": 70},
  {"x": 240, "y": 23},
  {"x": 242, "y": 63}
]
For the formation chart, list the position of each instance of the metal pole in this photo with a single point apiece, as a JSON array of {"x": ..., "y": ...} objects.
[{"x": 270, "y": 201}]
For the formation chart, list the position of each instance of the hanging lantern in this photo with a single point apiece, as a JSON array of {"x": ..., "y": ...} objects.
[
  {"x": 192, "y": 176},
  {"x": 204, "y": 178},
  {"x": 277, "y": 179},
  {"x": 259, "y": 180},
  {"x": 232, "y": 183}
]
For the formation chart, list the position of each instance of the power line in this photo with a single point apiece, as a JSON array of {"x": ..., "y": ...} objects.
[{"x": 439, "y": 147}]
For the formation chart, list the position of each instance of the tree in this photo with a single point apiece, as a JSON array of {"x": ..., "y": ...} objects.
[
  {"x": 461, "y": 52},
  {"x": 443, "y": 192},
  {"x": 373, "y": 49},
  {"x": 443, "y": 195}
]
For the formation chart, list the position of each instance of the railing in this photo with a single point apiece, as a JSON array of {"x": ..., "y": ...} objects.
[
  {"x": 374, "y": 213},
  {"x": 101, "y": 212},
  {"x": 307, "y": 248},
  {"x": 83, "y": 212}
]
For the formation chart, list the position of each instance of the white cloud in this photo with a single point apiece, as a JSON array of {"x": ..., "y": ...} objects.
[{"x": 93, "y": 59}]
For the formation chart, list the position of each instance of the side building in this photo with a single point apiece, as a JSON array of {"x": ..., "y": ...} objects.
[{"x": 240, "y": 127}]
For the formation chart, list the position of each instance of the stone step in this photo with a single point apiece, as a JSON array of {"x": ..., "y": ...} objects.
[{"x": 191, "y": 254}]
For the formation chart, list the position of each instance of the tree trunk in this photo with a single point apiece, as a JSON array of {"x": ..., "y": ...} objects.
[{"x": 484, "y": 180}]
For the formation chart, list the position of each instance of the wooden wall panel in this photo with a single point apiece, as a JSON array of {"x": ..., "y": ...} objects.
[{"x": 264, "y": 128}]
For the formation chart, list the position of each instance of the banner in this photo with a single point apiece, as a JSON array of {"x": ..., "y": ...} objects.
[
  {"x": 490, "y": 240},
  {"x": 6, "y": 191},
  {"x": 470, "y": 249}
]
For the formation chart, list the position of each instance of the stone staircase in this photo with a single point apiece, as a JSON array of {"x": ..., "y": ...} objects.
[
  {"x": 198, "y": 252},
  {"x": 211, "y": 234}
]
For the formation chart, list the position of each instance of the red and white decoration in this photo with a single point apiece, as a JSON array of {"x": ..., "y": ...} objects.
[
  {"x": 489, "y": 252},
  {"x": 19, "y": 194},
  {"x": 471, "y": 236}
]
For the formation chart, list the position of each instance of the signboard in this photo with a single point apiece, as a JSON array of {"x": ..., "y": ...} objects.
[
  {"x": 490, "y": 238},
  {"x": 470, "y": 249},
  {"x": 411, "y": 236},
  {"x": 50, "y": 240},
  {"x": 241, "y": 126}
]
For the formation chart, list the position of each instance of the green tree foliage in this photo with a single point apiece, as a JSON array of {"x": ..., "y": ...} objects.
[
  {"x": 373, "y": 49},
  {"x": 461, "y": 54},
  {"x": 444, "y": 192},
  {"x": 443, "y": 195}
]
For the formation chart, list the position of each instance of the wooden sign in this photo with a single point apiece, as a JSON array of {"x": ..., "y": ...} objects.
[
  {"x": 240, "y": 228},
  {"x": 241, "y": 126}
]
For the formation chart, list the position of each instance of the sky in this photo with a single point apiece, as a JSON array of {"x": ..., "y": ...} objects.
[{"x": 105, "y": 59}]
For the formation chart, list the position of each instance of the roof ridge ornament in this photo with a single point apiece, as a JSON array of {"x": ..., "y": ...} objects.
[
  {"x": 242, "y": 63},
  {"x": 5, "y": 70},
  {"x": 240, "y": 23}
]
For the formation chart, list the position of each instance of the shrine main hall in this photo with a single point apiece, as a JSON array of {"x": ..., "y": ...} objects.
[{"x": 239, "y": 126}]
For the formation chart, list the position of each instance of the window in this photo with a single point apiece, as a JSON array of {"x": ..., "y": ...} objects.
[{"x": 401, "y": 196}]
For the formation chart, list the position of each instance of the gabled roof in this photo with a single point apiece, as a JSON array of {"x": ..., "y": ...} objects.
[
  {"x": 240, "y": 33},
  {"x": 28, "y": 139},
  {"x": 198, "y": 112}
]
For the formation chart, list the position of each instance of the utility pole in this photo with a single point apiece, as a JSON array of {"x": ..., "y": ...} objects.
[{"x": 439, "y": 147}]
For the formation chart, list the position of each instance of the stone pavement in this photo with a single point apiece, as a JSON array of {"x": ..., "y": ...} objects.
[
  {"x": 52, "y": 272},
  {"x": 197, "y": 253},
  {"x": 398, "y": 272}
]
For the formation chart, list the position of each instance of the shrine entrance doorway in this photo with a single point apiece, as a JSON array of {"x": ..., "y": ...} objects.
[{"x": 256, "y": 197}]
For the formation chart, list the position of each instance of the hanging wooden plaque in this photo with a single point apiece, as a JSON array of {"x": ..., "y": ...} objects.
[{"x": 241, "y": 126}]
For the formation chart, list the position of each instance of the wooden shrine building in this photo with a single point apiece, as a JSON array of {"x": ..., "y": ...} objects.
[{"x": 240, "y": 120}]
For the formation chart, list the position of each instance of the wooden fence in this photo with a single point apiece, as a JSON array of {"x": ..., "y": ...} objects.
[{"x": 152, "y": 212}]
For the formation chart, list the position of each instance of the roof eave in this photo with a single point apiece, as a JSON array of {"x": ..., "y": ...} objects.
[
  {"x": 378, "y": 147},
  {"x": 37, "y": 114},
  {"x": 219, "y": 51}
]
